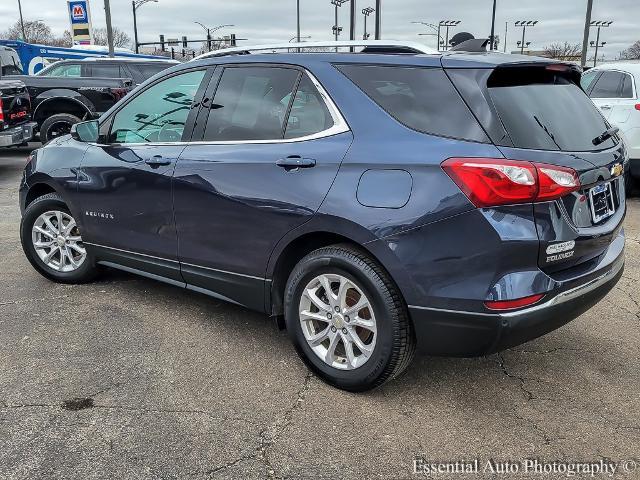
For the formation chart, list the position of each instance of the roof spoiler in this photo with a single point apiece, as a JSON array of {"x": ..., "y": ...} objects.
[{"x": 471, "y": 45}]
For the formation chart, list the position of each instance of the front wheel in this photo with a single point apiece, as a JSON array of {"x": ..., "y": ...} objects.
[
  {"x": 56, "y": 126},
  {"x": 52, "y": 241},
  {"x": 347, "y": 319}
]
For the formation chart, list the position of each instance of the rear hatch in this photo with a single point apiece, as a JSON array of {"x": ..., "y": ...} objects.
[
  {"x": 536, "y": 111},
  {"x": 15, "y": 103}
]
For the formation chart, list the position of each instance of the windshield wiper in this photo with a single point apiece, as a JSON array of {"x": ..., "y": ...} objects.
[{"x": 605, "y": 136}]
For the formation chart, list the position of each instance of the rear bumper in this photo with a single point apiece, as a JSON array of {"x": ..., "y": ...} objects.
[
  {"x": 469, "y": 334},
  {"x": 17, "y": 135}
]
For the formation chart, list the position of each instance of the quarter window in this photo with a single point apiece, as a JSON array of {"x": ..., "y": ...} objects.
[
  {"x": 158, "y": 114},
  {"x": 420, "y": 98},
  {"x": 309, "y": 113},
  {"x": 251, "y": 103},
  {"x": 627, "y": 87}
]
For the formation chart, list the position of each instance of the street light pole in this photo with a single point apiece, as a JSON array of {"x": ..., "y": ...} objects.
[
  {"x": 24, "y": 35},
  {"x": 136, "y": 4},
  {"x": 587, "y": 27},
  {"x": 493, "y": 26},
  {"x": 524, "y": 24},
  {"x": 434, "y": 28},
  {"x": 600, "y": 24},
  {"x": 447, "y": 24},
  {"x": 366, "y": 12}
]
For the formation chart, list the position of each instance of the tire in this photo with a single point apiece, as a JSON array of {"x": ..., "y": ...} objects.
[
  {"x": 392, "y": 346},
  {"x": 65, "y": 272},
  {"x": 629, "y": 183},
  {"x": 48, "y": 129}
]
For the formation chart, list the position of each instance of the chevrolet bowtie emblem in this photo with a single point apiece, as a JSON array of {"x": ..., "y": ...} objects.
[{"x": 616, "y": 170}]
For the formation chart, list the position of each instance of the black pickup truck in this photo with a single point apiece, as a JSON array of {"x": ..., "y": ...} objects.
[
  {"x": 60, "y": 102},
  {"x": 16, "y": 127}
]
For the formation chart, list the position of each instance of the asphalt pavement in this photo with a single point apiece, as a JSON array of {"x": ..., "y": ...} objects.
[{"x": 133, "y": 379}]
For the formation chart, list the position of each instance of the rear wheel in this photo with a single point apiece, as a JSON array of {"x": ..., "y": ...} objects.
[
  {"x": 347, "y": 320},
  {"x": 52, "y": 242},
  {"x": 56, "y": 126}
]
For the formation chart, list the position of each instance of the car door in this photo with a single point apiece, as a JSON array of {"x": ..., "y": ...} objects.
[
  {"x": 264, "y": 160},
  {"x": 125, "y": 183},
  {"x": 606, "y": 91}
]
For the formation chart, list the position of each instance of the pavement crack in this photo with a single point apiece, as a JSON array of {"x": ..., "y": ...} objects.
[
  {"x": 501, "y": 362},
  {"x": 269, "y": 435}
]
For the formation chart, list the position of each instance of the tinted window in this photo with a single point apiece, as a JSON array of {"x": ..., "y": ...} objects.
[
  {"x": 608, "y": 85},
  {"x": 420, "y": 98},
  {"x": 627, "y": 87},
  {"x": 11, "y": 70},
  {"x": 554, "y": 116},
  {"x": 65, "y": 70},
  {"x": 159, "y": 113},
  {"x": 309, "y": 113},
  {"x": 250, "y": 104},
  {"x": 149, "y": 70},
  {"x": 109, "y": 71}
]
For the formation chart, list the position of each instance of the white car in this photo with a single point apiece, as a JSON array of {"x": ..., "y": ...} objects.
[{"x": 614, "y": 88}]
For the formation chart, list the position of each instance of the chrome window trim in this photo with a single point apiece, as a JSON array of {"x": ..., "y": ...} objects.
[{"x": 339, "y": 126}]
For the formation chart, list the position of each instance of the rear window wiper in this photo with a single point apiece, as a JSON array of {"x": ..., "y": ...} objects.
[{"x": 605, "y": 136}]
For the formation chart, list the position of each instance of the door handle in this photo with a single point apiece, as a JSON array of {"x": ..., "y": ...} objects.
[
  {"x": 606, "y": 107},
  {"x": 157, "y": 161},
  {"x": 293, "y": 162}
]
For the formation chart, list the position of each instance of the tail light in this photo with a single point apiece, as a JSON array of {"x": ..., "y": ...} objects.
[
  {"x": 637, "y": 106},
  {"x": 511, "y": 304},
  {"x": 1, "y": 112},
  {"x": 489, "y": 182},
  {"x": 119, "y": 93}
]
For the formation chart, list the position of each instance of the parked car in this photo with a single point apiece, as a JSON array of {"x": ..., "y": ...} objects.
[
  {"x": 60, "y": 102},
  {"x": 615, "y": 89},
  {"x": 16, "y": 127},
  {"x": 138, "y": 70},
  {"x": 370, "y": 202}
]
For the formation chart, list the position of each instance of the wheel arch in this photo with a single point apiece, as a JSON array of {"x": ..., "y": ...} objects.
[
  {"x": 292, "y": 249},
  {"x": 61, "y": 104}
]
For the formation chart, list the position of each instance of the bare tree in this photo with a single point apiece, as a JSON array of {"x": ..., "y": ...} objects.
[
  {"x": 631, "y": 53},
  {"x": 563, "y": 51},
  {"x": 120, "y": 38},
  {"x": 35, "y": 31}
]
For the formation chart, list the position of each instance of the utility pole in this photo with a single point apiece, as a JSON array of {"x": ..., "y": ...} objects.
[
  {"x": 352, "y": 26},
  {"x": 506, "y": 31},
  {"x": 107, "y": 15},
  {"x": 493, "y": 26},
  {"x": 24, "y": 35},
  {"x": 378, "y": 9},
  {"x": 587, "y": 27},
  {"x": 298, "y": 20},
  {"x": 135, "y": 25}
]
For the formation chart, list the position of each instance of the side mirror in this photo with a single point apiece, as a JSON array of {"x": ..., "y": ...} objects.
[{"x": 87, "y": 132}]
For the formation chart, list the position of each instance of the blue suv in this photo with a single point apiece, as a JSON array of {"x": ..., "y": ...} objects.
[{"x": 372, "y": 202}]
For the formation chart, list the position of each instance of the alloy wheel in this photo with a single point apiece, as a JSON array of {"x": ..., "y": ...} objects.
[
  {"x": 57, "y": 241},
  {"x": 338, "y": 321}
]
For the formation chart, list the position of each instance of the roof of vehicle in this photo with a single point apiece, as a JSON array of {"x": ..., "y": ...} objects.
[
  {"x": 629, "y": 66},
  {"x": 379, "y": 51},
  {"x": 120, "y": 60}
]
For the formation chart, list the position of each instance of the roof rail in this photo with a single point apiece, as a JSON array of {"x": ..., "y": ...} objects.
[{"x": 374, "y": 46}]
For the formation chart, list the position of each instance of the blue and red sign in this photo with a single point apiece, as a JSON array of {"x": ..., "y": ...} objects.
[{"x": 79, "y": 11}]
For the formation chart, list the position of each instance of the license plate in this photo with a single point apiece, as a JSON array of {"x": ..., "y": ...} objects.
[{"x": 602, "y": 205}]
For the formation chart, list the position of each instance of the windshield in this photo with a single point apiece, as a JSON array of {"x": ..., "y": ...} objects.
[{"x": 554, "y": 116}]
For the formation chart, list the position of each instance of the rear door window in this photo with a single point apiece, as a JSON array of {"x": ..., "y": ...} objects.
[
  {"x": 608, "y": 85},
  {"x": 422, "y": 99},
  {"x": 554, "y": 115},
  {"x": 251, "y": 103},
  {"x": 107, "y": 71}
]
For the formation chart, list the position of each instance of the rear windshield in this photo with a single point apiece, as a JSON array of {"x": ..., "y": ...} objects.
[
  {"x": 549, "y": 116},
  {"x": 420, "y": 98}
]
